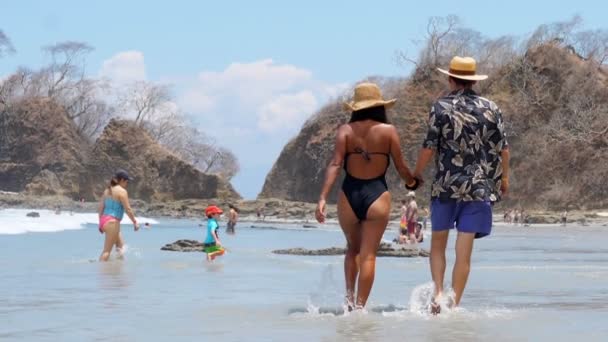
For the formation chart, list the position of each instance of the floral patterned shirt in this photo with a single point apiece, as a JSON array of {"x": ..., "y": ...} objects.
[{"x": 467, "y": 132}]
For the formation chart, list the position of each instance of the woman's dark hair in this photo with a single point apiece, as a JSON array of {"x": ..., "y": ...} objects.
[
  {"x": 113, "y": 182},
  {"x": 377, "y": 113},
  {"x": 463, "y": 83}
]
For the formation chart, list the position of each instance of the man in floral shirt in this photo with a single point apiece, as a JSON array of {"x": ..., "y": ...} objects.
[{"x": 466, "y": 135}]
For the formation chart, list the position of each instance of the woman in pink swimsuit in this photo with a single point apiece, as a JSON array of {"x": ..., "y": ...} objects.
[{"x": 113, "y": 204}]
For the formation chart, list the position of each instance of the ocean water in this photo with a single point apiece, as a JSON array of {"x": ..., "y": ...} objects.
[{"x": 534, "y": 283}]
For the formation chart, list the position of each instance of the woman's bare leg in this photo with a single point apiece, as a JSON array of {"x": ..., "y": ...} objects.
[
  {"x": 372, "y": 230},
  {"x": 111, "y": 231},
  {"x": 120, "y": 243},
  {"x": 352, "y": 231}
]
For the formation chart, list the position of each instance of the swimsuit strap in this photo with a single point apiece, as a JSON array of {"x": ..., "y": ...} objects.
[
  {"x": 364, "y": 153},
  {"x": 366, "y": 156}
]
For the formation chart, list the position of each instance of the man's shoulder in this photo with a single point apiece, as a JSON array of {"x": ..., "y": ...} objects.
[
  {"x": 485, "y": 102},
  {"x": 444, "y": 101}
]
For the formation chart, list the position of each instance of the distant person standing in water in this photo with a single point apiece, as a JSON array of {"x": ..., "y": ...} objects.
[
  {"x": 233, "y": 216},
  {"x": 564, "y": 217},
  {"x": 112, "y": 205},
  {"x": 467, "y": 134},
  {"x": 403, "y": 222},
  {"x": 412, "y": 217},
  {"x": 419, "y": 235},
  {"x": 363, "y": 147},
  {"x": 425, "y": 218}
]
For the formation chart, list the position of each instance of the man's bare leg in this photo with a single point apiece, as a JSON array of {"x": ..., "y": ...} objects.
[
  {"x": 439, "y": 241},
  {"x": 462, "y": 267}
]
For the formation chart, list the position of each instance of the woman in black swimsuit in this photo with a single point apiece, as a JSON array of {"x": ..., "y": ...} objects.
[{"x": 364, "y": 147}]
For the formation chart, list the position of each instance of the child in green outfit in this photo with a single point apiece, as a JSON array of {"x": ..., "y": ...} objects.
[{"x": 212, "y": 245}]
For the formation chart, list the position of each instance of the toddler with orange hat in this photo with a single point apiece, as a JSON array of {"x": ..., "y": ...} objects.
[{"x": 212, "y": 245}]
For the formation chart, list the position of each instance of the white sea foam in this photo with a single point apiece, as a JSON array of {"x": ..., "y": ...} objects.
[
  {"x": 14, "y": 221},
  {"x": 420, "y": 301}
]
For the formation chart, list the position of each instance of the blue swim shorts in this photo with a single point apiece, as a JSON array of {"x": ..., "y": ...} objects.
[{"x": 468, "y": 217}]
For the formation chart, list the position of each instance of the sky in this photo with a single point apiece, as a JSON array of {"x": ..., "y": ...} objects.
[{"x": 249, "y": 73}]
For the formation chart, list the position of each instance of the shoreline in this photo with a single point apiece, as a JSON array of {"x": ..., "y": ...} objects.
[{"x": 274, "y": 211}]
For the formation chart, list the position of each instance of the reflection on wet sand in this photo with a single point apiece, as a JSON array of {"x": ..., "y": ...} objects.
[
  {"x": 214, "y": 267},
  {"x": 114, "y": 282},
  {"x": 358, "y": 326},
  {"x": 450, "y": 327}
]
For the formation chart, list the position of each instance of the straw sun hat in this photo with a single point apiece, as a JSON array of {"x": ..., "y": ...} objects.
[
  {"x": 464, "y": 68},
  {"x": 367, "y": 95}
]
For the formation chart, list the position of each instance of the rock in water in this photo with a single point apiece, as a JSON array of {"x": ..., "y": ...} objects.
[
  {"x": 184, "y": 246},
  {"x": 385, "y": 250},
  {"x": 33, "y": 214}
]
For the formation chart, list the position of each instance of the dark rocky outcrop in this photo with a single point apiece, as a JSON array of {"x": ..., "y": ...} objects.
[
  {"x": 40, "y": 149},
  {"x": 385, "y": 250},
  {"x": 183, "y": 246},
  {"x": 42, "y": 154},
  {"x": 556, "y": 109},
  {"x": 299, "y": 172},
  {"x": 33, "y": 214},
  {"x": 159, "y": 174}
]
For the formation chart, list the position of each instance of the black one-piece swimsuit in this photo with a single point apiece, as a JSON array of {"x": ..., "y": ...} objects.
[{"x": 362, "y": 193}]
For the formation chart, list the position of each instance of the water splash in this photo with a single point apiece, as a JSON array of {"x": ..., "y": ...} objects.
[
  {"x": 422, "y": 295},
  {"x": 15, "y": 221},
  {"x": 128, "y": 251},
  {"x": 329, "y": 292},
  {"x": 420, "y": 299}
]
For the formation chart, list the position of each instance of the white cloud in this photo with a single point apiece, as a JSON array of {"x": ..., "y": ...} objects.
[
  {"x": 249, "y": 84},
  {"x": 286, "y": 109},
  {"x": 124, "y": 67},
  {"x": 251, "y": 108},
  {"x": 257, "y": 94},
  {"x": 337, "y": 90},
  {"x": 254, "y": 109},
  {"x": 196, "y": 101}
]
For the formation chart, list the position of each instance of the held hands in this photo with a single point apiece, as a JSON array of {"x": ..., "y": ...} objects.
[
  {"x": 320, "y": 211},
  {"x": 414, "y": 182}
]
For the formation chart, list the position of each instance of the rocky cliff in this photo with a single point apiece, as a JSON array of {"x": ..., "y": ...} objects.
[
  {"x": 556, "y": 108},
  {"x": 41, "y": 153},
  {"x": 40, "y": 150},
  {"x": 159, "y": 174},
  {"x": 299, "y": 172}
]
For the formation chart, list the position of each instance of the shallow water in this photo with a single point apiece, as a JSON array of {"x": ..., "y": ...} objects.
[{"x": 536, "y": 283}]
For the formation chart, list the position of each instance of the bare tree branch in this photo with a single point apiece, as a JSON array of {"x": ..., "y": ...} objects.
[{"x": 144, "y": 99}]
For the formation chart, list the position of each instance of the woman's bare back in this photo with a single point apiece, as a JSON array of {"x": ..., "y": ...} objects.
[{"x": 368, "y": 148}]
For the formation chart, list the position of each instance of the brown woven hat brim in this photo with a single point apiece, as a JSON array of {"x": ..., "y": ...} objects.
[
  {"x": 464, "y": 77},
  {"x": 355, "y": 106}
]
